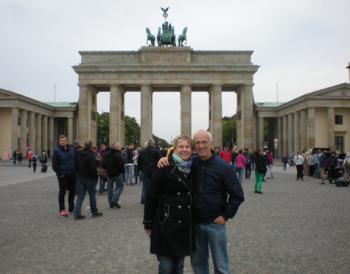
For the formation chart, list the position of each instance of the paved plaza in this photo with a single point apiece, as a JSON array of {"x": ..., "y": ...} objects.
[{"x": 295, "y": 227}]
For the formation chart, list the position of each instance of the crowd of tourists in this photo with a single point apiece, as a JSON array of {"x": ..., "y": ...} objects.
[
  {"x": 189, "y": 191},
  {"x": 319, "y": 164},
  {"x": 33, "y": 159},
  {"x": 244, "y": 162},
  {"x": 188, "y": 196},
  {"x": 82, "y": 169}
]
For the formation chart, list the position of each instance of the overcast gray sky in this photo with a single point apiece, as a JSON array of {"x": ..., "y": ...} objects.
[{"x": 303, "y": 45}]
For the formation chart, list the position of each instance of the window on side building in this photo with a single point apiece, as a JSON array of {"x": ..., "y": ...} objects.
[{"x": 338, "y": 119}]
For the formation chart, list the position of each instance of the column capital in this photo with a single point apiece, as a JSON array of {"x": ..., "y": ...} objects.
[
  {"x": 215, "y": 87},
  {"x": 186, "y": 87}
]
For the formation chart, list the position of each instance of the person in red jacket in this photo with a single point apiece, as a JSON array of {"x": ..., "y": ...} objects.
[{"x": 226, "y": 155}]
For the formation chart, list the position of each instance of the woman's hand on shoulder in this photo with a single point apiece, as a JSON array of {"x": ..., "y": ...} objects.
[{"x": 163, "y": 162}]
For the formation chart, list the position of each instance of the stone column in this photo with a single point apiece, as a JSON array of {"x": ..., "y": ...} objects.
[
  {"x": 296, "y": 132},
  {"x": 247, "y": 122},
  {"x": 24, "y": 118},
  {"x": 285, "y": 135},
  {"x": 70, "y": 130},
  {"x": 239, "y": 132},
  {"x": 32, "y": 131},
  {"x": 45, "y": 133},
  {"x": 84, "y": 114},
  {"x": 331, "y": 139},
  {"x": 210, "y": 112},
  {"x": 146, "y": 114},
  {"x": 310, "y": 128},
  {"x": 185, "y": 98},
  {"x": 261, "y": 132},
  {"x": 279, "y": 137},
  {"x": 51, "y": 134},
  {"x": 290, "y": 133},
  {"x": 116, "y": 116},
  {"x": 93, "y": 116},
  {"x": 216, "y": 114},
  {"x": 303, "y": 130},
  {"x": 38, "y": 123},
  {"x": 14, "y": 129}
]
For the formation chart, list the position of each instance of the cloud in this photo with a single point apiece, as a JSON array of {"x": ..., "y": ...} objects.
[{"x": 301, "y": 45}]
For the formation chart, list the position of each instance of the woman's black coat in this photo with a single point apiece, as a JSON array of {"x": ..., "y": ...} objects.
[{"x": 168, "y": 212}]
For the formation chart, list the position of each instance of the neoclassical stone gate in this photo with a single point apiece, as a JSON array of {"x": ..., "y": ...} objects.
[{"x": 166, "y": 69}]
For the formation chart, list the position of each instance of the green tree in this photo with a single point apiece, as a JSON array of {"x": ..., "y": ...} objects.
[
  {"x": 132, "y": 131},
  {"x": 229, "y": 130},
  {"x": 102, "y": 128}
]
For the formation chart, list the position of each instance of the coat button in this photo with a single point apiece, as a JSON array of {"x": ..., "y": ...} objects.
[
  {"x": 179, "y": 206},
  {"x": 188, "y": 193},
  {"x": 179, "y": 193},
  {"x": 179, "y": 221},
  {"x": 188, "y": 206},
  {"x": 165, "y": 214}
]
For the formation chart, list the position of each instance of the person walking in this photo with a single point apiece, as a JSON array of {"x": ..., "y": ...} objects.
[
  {"x": 299, "y": 163},
  {"x": 248, "y": 167},
  {"x": 332, "y": 165},
  {"x": 147, "y": 163},
  {"x": 63, "y": 163},
  {"x": 43, "y": 162},
  {"x": 168, "y": 206},
  {"x": 346, "y": 166},
  {"x": 260, "y": 170},
  {"x": 136, "y": 167},
  {"x": 240, "y": 164},
  {"x": 269, "y": 165},
  {"x": 14, "y": 156},
  {"x": 284, "y": 162},
  {"x": 19, "y": 158},
  {"x": 114, "y": 165},
  {"x": 29, "y": 157},
  {"x": 322, "y": 158},
  {"x": 34, "y": 162},
  {"x": 226, "y": 155},
  {"x": 86, "y": 172},
  {"x": 129, "y": 166},
  {"x": 101, "y": 172}
]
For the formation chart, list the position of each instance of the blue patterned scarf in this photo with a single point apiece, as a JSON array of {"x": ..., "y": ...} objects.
[{"x": 183, "y": 166}]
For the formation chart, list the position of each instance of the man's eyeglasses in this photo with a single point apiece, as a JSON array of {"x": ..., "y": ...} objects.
[{"x": 197, "y": 143}]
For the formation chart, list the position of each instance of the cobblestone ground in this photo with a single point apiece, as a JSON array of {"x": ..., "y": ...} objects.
[{"x": 295, "y": 227}]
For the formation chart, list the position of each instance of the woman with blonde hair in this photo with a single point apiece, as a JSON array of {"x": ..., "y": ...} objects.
[{"x": 167, "y": 215}]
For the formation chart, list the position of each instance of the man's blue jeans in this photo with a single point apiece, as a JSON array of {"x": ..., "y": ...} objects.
[
  {"x": 84, "y": 185},
  {"x": 240, "y": 175},
  {"x": 211, "y": 236},
  {"x": 114, "y": 194},
  {"x": 170, "y": 265},
  {"x": 129, "y": 173}
]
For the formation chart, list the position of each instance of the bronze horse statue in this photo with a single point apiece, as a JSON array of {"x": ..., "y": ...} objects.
[
  {"x": 150, "y": 37},
  {"x": 182, "y": 39}
]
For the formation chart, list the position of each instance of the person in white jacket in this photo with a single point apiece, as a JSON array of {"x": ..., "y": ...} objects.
[{"x": 299, "y": 163}]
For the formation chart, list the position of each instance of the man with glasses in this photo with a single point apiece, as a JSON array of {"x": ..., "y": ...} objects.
[{"x": 217, "y": 195}]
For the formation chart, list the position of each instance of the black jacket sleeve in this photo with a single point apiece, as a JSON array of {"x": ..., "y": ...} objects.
[
  {"x": 55, "y": 163},
  {"x": 235, "y": 192},
  {"x": 92, "y": 166},
  {"x": 152, "y": 198}
]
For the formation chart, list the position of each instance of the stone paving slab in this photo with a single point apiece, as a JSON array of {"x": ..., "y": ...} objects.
[{"x": 295, "y": 227}]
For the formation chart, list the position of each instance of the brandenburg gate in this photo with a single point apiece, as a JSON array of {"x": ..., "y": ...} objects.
[{"x": 166, "y": 69}]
